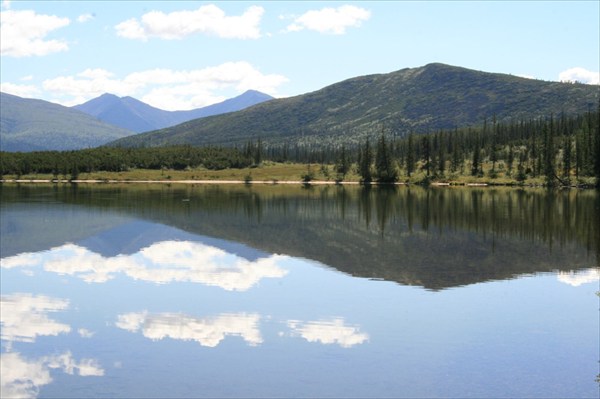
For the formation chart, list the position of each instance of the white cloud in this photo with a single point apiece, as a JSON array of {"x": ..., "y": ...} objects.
[
  {"x": 208, "y": 19},
  {"x": 20, "y": 90},
  {"x": 24, "y": 317},
  {"x": 581, "y": 75},
  {"x": 207, "y": 332},
  {"x": 24, "y": 33},
  {"x": 163, "y": 262},
  {"x": 6, "y": 4},
  {"x": 330, "y": 20},
  {"x": 328, "y": 332},
  {"x": 166, "y": 88},
  {"x": 84, "y": 18},
  {"x": 22, "y": 378}
]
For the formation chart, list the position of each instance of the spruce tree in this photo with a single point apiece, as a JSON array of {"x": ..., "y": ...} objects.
[
  {"x": 366, "y": 160},
  {"x": 384, "y": 165},
  {"x": 410, "y": 155}
]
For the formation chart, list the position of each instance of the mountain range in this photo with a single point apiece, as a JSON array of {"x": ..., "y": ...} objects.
[
  {"x": 424, "y": 99},
  {"x": 435, "y": 96},
  {"x": 37, "y": 125},
  {"x": 137, "y": 116}
]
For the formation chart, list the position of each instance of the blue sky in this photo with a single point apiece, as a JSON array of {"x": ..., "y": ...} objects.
[{"x": 183, "y": 55}]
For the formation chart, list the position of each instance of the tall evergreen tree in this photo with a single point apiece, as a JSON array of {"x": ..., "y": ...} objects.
[
  {"x": 410, "y": 155},
  {"x": 426, "y": 154},
  {"x": 366, "y": 160},
  {"x": 384, "y": 165}
]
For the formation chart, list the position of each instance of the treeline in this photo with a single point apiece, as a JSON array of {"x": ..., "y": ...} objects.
[
  {"x": 71, "y": 163},
  {"x": 557, "y": 148}
]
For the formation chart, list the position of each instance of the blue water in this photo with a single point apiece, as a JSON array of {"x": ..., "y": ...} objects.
[{"x": 138, "y": 308}]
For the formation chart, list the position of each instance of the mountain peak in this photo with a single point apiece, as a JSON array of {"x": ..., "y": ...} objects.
[
  {"x": 133, "y": 114},
  {"x": 108, "y": 95},
  {"x": 424, "y": 99}
]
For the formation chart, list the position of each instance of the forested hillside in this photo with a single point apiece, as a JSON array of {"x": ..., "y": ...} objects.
[
  {"x": 556, "y": 150},
  {"x": 418, "y": 100}
]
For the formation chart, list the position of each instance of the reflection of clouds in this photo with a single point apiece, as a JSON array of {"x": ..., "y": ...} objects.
[
  {"x": 85, "y": 333},
  {"x": 575, "y": 278},
  {"x": 23, "y": 317},
  {"x": 22, "y": 378},
  {"x": 163, "y": 262},
  {"x": 208, "y": 332},
  {"x": 328, "y": 332}
]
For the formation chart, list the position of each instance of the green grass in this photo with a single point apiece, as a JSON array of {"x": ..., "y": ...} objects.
[{"x": 274, "y": 172}]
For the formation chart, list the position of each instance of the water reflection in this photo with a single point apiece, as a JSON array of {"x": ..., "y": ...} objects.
[
  {"x": 577, "y": 278},
  {"x": 436, "y": 238},
  {"x": 24, "y": 317},
  {"x": 328, "y": 332},
  {"x": 162, "y": 262},
  {"x": 23, "y": 378},
  {"x": 280, "y": 339},
  {"x": 207, "y": 332}
]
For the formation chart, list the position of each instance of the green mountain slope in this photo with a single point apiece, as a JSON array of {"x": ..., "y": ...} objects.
[
  {"x": 421, "y": 99},
  {"x": 31, "y": 125}
]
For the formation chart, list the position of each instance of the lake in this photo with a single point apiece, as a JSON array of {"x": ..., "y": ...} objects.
[{"x": 290, "y": 291}]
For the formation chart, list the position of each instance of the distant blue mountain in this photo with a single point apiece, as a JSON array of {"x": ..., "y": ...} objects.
[
  {"x": 35, "y": 125},
  {"x": 137, "y": 116}
]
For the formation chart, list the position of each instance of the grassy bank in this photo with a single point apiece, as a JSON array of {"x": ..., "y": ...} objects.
[{"x": 274, "y": 172}]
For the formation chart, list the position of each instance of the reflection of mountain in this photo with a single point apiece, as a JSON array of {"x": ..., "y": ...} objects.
[
  {"x": 161, "y": 262},
  {"x": 436, "y": 238},
  {"x": 207, "y": 332}
]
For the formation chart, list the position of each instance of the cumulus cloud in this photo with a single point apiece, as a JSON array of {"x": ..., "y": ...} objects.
[
  {"x": 22, "y": 378},
  {"x": 24, "y": 317},
  {"x": 20, "y": 90},
  {"x": 166, "y": 88},
  {"x": 163, "y": 262},
  {"x": 24, "y": 33},
  {"x": 580, "y": 75},
  {"x": 330, "y": 20},
  {"x": 85, "y": 17},
  {"x": 208, "y": 19},
  {"x": 328, "y": 332},
  {"x": 207, "y": 332}
]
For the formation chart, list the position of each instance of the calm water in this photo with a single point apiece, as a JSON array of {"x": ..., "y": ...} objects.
[{"x": 277, "y": 291}]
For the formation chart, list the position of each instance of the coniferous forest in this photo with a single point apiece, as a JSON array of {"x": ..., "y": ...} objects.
[{"x": 561, "y": 150}]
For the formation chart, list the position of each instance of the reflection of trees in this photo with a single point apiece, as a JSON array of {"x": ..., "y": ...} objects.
[{"x": 479, "y": 233}]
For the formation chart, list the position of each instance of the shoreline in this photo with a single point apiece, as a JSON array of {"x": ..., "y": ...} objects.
[
  {"x": 276, "y": 182},
  {"x": 260, "y": 182}
]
